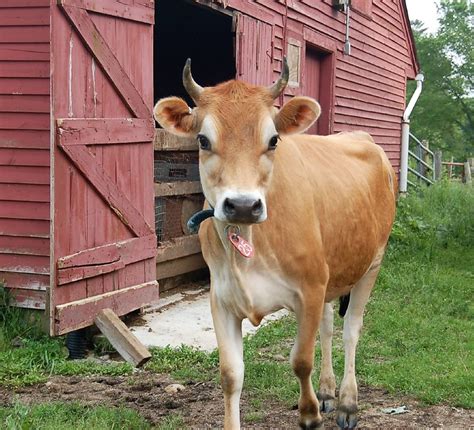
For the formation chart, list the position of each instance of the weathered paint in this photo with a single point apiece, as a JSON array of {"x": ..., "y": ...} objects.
[
  {"x": 103, "y": 158},
  {"x": 24, "y": 150}
]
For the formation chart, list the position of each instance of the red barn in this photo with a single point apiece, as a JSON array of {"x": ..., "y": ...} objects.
[{"x": 84, "y": 192}]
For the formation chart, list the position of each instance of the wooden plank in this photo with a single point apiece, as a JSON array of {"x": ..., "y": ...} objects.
[
  {"x": 29, "y": 299},
  {"x": 189, "y": 263},
  {"x": 24, "y": 86},
  {"x": 26, "y": 228},
  {"x": 142, "y": 248},
  {"x": 467, "y": 173},
  {"x": 24, "y": 192},
  {"x": 24, "y": 121},
  {"x": 81, "y": 313},
  {"x": 24, "y": 175},
  {"x": 177, "y": 188},
  {"x": 177, "y": 248},
  {"x": 25, "y": 281},
  {"x": 100, "y": 255},
  {"x": 28, "y": 16},
  {"x": 24, "y": 51},
  {"x": 24, "y": 157},
  {"x": 24, "y": 139},
  {"x": 101, "y": 131},
  {"x": 24, "y": 210},
  {"x": 165, "y": 141},
  {"x": 104, "y": 55},
  {"x": 108, "y": 190},
  {"x": 130, "y": 250},
  {"x": 17, "y": 263},
  {"x": 24, "y": 3},
  {"x": 39, "y": 34},
  {"x": 24, "y": 103},
  {"x": 252, "y": 9},
  {"x": 24, "y": 245},
  {"x": 121, "y": 338},
  {"x": 116, "y": 9},
  {"x": 74, "y": 274},
  {"x": 24, "y": 69}
]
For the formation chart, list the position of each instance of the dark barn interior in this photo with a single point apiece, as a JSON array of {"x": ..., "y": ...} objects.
[{"x": 187, "y": 30}]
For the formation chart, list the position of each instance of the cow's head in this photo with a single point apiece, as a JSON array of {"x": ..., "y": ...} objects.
[{"x": 238, "y": 131}]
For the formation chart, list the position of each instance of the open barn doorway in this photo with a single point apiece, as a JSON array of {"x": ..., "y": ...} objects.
[
  {"x": 203, "y": 32},
  {"x": 185, "y": 29}
]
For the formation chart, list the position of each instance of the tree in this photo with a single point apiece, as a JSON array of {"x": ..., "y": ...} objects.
[{"x": 444, "y": 114}]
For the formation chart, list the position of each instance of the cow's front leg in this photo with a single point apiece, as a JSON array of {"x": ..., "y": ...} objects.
[
  {"x": 308, "y": 315},
  {"x": 228, "y": 330}
]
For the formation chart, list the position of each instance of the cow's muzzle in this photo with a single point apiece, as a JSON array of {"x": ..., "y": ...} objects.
[{"x": 243, "y": 210}]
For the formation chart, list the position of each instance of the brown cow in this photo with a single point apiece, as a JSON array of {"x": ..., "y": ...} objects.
[{"x": 298, "y": 221}]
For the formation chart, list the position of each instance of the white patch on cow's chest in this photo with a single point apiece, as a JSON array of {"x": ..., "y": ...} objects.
[{"x": 254, "y": 293}]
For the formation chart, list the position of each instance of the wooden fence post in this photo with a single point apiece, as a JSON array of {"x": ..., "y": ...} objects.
[
  {"x": 437, "y": 165},
  {"x": 467, "y": 173},
  {"x": 450, "y": 168}
]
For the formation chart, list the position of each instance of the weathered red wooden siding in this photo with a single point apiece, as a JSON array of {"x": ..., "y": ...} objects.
[
  {"x": 24, "y": 149},
  {"x": 103, "y": 160},
  {"x": 370, "y": 84}
]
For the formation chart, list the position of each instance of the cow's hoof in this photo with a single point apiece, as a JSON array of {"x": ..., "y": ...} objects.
[
  {"x": 346, "y": 417},
  {"x": 312, "y": 424},
  {"x": 326, "y": 403}
]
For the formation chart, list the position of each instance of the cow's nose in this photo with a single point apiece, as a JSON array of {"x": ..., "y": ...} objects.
[{"x": 243, "y": 210}]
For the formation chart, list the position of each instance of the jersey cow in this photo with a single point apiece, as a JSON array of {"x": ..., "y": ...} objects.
[{"x": 298, "y": 221}]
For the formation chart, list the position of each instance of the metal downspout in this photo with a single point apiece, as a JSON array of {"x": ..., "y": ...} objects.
[{"x": 406, "y": 133}]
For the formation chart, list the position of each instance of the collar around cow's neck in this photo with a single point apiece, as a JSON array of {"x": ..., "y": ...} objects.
[{"x": 195, "y": 221}]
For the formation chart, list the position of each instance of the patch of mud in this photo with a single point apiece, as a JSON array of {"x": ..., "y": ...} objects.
[{"x": 201, "y": 404}]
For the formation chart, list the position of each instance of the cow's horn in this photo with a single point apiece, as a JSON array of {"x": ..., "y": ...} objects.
[
  {"x": 277, "y": 88},
  {"x": 193, "y": 89}
]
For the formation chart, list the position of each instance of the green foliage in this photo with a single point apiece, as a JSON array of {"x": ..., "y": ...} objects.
[
  {"x": 444, "y": 114},
  {"x": 69, "y": 416}
]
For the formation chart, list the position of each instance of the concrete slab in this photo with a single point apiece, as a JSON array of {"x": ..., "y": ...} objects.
[{"x": 185, "y": 318}]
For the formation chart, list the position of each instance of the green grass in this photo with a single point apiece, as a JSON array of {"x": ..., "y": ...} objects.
[
  {"x": 70, "y": 416},
  {"x": 172, "y": 422},
  {"x": 38, "y": 356},
  {"x": 418, "y": 335}
]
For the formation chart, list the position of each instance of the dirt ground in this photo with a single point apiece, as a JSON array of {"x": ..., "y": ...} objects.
[{"x": 201, "y": 404}]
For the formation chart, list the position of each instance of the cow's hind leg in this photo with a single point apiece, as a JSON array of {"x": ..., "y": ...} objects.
[
  {"x": 308, "y": 317},
  {"x": 327, "y": 380},
  {"x": 346, "y": 416}
]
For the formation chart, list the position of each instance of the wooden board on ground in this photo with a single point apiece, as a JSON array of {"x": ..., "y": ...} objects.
[{"x": 121, "y": 338}]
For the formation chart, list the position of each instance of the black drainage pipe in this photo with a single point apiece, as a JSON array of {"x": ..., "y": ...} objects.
[{"x": 76, "y": 343}]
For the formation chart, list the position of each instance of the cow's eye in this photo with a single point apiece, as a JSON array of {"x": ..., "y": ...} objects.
[
  {"x": 272, "y": 144},
  {"x": 203, "y": 142}
]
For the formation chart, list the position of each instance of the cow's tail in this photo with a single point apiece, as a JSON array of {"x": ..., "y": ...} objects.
[{"x": 343, "y": 304}]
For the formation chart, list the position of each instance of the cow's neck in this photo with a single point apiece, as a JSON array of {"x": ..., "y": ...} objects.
[
  {"x": 232, "y": 256},
  {"x": 239, "y": 267}
]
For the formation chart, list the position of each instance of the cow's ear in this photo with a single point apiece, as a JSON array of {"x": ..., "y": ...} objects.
[
  {"x": 175, "y": 116},
  {"x": 297, "y": 115}
]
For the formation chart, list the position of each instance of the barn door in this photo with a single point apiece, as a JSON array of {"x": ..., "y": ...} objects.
[
  {"x": 254, "y": 50},
  {"x": 104, "y": 245}
]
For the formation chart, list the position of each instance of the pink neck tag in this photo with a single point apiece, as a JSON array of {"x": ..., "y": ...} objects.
[{"x": 240, "y": 244}]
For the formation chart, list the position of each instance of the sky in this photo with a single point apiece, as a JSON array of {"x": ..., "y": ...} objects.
[{"x": 424, "y": 10}]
